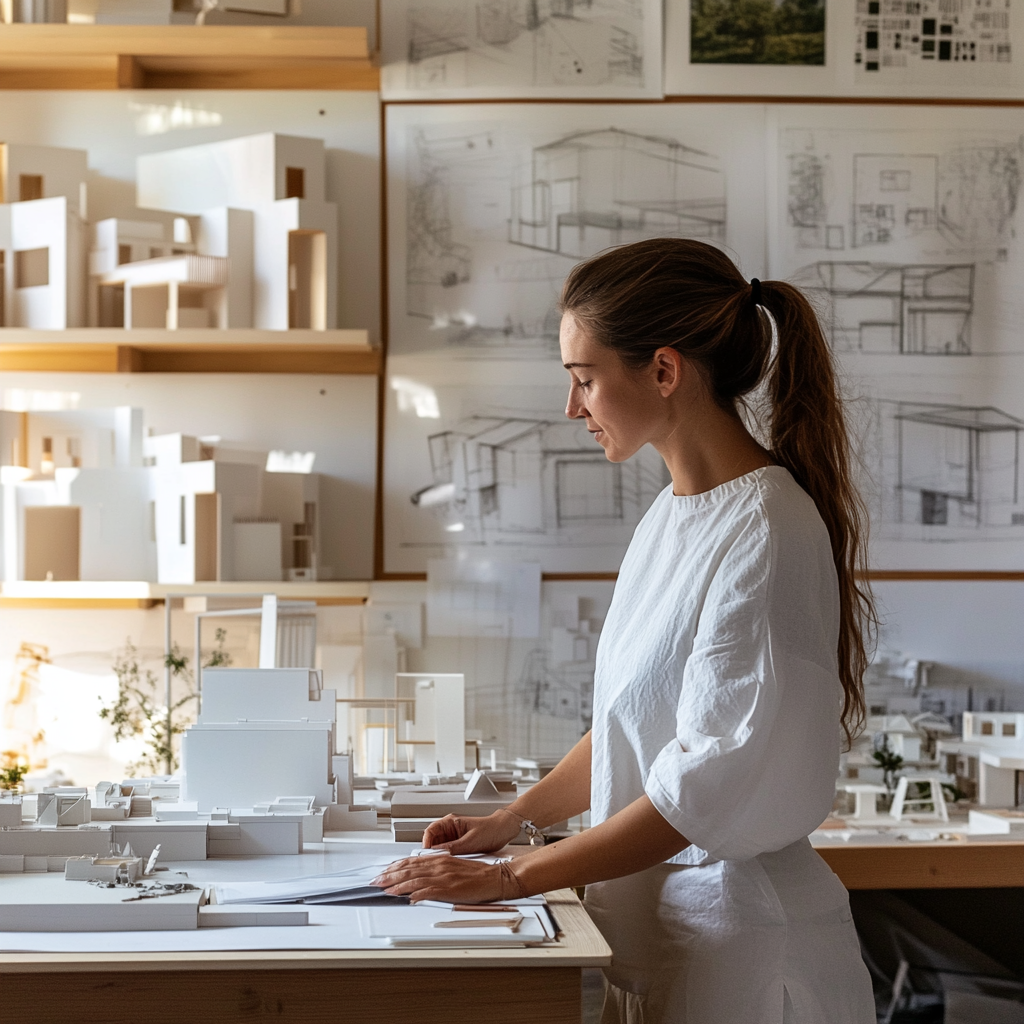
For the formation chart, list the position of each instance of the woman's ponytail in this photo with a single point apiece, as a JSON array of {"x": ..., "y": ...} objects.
[
  {"x": 808, "y": 435},
  {"x": 689, "y": 295}
]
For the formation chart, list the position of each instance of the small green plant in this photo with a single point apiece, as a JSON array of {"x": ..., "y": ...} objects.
[
  {"x": 891, "y": 763},
  {"x": 12, "y": 773},
  {"x": 139, "y": 710}
]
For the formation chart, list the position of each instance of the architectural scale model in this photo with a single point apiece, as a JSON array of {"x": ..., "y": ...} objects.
[
  {"x": 231, "y": 234},
  {"x": 87, "y": 496}
]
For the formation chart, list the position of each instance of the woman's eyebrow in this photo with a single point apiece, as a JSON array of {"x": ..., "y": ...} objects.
[{"x": 570, "y": 366}]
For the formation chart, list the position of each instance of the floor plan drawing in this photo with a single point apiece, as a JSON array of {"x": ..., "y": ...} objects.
[
  {"x": 891, "y": 309},
  {"x": 487, "y": 217},
  {"x": 488, "y": 48},
  {"x": 868, "y": 191}
]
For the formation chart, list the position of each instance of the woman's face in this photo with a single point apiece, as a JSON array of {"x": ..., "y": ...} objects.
[{"x": 621, "y": 407}]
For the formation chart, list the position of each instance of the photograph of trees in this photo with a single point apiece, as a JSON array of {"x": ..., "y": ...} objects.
[{"x": 757, "y": 31}]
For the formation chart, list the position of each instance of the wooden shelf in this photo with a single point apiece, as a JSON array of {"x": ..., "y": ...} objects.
[
  {"x": 185, "y": 57},
  {"x": 142, "y": 595},
  {"x": 98, "y": 350}
]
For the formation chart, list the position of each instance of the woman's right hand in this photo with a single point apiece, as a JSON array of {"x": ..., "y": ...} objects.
[{"x": 458, "y": 834}]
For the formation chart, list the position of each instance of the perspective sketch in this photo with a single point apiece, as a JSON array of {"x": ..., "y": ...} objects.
[
  {"x": 487, "y": 47},
  {"x": 492, "y": 230},
  {"x": 502, "y": 479},
  {"x": 891, "y": 309},
  {"x": 946, "y": 472},
  {"x": 860, "y": 190},
  {"x": 951, "y": 34}
]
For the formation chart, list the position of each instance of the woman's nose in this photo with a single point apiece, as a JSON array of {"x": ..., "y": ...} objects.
[{"x": 574, "y": 407}]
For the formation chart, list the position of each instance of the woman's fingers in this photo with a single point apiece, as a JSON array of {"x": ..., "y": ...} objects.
[
  {"x": 446, "y": 830},
  {"x": 441, "y": 878}
]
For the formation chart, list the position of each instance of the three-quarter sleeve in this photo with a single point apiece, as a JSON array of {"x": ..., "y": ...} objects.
[{"x": 753, "y": 763}]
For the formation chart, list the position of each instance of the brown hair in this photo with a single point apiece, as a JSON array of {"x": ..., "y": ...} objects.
[{"x": 688, "y": 295}]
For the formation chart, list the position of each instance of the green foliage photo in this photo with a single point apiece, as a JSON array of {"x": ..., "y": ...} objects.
[
  {"x": 140, "y": 709},
  {"x": 757, "y": 31}
]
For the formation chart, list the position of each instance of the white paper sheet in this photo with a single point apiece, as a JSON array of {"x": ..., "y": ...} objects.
[
  {"x": 903, "y": 226},
  {"x": 483, "y": 597},
  {"x": 489, "y": 209},
  {"x": 468, "y": 49}
]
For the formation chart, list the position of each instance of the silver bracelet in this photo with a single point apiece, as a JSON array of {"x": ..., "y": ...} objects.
[{"x": 527, "y": 826}]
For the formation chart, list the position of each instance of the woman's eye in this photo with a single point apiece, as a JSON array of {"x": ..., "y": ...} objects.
[{"x": 585, "y": 384}]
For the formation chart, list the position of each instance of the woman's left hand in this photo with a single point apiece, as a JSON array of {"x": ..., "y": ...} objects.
[{"x": 447, "y": 879}]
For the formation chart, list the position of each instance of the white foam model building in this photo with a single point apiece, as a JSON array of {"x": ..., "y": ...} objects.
[
  {"x": 86, "y": 496},
  {"x": 988, "y": 759},
  {"x": 242, "y": 237}
]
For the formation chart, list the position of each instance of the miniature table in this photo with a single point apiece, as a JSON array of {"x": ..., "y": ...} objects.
[{"x": 396, "y": 986}]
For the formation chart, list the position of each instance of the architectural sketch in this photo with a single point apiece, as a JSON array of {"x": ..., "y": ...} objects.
[
  {"x": 873, "y": 190},
  {"x": 242, "y": 237},
  {"x": 936, "y": 35},
  {"x": 493, "y": 225},
  {"x": 943, "y": 472},
  {"x": 521, "y": 47},
  {"x": 898, "y": 310},
  {"x": 504, "y": 479},
  {"x": 591, "y": 190},
  {"x": 958, "y": 466}
]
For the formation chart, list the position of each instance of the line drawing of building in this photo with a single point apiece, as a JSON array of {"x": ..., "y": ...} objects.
[
  {"x": 556, "y": 42},
  {"x": 958, "y": 465},
  {"x": 594, "y": 189},
  {"x": 508, "y": 478},
  {"x": 895, "y": 309}
]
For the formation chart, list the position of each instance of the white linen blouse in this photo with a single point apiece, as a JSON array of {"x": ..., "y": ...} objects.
[{"x": 717, "y": 694}]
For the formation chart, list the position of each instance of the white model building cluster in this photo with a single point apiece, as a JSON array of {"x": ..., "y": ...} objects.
[
  {"x": 242, "y": 237},
  {"x": 87, "y": 496}
]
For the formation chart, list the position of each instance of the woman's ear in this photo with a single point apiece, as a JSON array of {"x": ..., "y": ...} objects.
[{"x": 669, "y": 369}]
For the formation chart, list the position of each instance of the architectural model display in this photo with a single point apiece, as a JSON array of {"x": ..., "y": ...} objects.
[
  {"x": 88, "y": 496},
  {"x": 988, "y": 759},
  {"x": 232, "y": 234}
]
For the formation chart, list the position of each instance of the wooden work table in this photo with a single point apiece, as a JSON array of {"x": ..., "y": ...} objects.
[
  {"x": 399, "y": 986},
  {"x": 945, "y": 864}
]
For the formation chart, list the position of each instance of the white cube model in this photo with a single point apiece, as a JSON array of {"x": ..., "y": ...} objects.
[
  {"x": 261, "y": 734},
  {"x": 291, "y": 241},
  {"x": 439, "y": 729},
  {"x": 247, "y": 763}
]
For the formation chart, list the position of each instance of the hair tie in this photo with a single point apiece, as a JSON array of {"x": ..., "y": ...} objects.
[{"x": 755, "y": 291}]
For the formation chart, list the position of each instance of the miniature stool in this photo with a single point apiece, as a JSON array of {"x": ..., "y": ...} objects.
[
  {"x": 903, "y": 805},
  {"x": 866, "y": 794}
]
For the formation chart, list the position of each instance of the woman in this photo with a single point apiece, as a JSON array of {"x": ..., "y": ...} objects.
[{"x": 729, "y": 665}]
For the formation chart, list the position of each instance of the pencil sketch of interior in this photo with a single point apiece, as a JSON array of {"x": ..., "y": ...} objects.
[
  {"x": 949, "y": 471},
  {"x": 503, "y": 479},
  {"x": 892, "y": 309}
]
